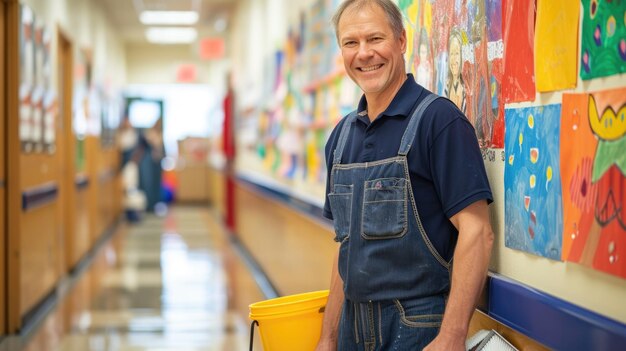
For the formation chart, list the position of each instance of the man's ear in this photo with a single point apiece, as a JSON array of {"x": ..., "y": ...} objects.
[{"x": 403, "y": 41}]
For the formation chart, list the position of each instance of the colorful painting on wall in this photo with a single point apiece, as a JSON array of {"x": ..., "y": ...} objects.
[
  {"x": 50, "y": 103},
  {"x": 593, "y": 172},
  {"x": 556, "y": 40},
  {"x": 27, "y": 76},
  {"x": 533, "y": 210},
  {"x": 603, "y": 44},
  {"x": 455, "y": 50},
  {"x": 39, "y": 91},
  {"x": 518, "y": 83}
]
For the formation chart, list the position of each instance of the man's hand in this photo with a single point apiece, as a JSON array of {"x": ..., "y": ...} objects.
[{"x": 445, "y": 342}]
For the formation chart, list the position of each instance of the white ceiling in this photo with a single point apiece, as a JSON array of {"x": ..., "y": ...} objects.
[{"x": 124, "y": 15}]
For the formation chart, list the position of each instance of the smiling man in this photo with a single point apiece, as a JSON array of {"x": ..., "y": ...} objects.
[{"x": 407, "y": 192}]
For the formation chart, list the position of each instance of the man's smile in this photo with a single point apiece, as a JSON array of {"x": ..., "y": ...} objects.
[{"x": 369, "y": 68}]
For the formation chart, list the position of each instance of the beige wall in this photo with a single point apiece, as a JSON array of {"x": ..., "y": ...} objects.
[{"x": 158, "y": 64}]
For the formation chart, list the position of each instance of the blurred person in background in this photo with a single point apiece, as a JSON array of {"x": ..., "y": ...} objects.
[
  {"x": 150, "y": 171},
  {"x": 127, "y": 140}
]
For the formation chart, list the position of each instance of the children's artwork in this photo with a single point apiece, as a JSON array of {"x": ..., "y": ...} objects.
[
  {"x": 418, "y": 19},
  {"x": 80, "y": 104},
  {"x": 518, "y": 83},
  {"x": 37, "y": 97},
  {"x": 533, "y": 210},
  {"x": 593, "y": 172},
  {"x": 27, "y": 75},
  {"x": 556, "y": 39},
  {"x": 456, "y": 50},
  {"x": 322, "y": 49},
  {"x": 603, "y": 44},
  {"x": 50, "y": 99}
]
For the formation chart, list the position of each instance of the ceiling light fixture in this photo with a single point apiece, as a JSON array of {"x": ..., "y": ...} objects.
[
  {"x": 171, "y": 35},
  {"x": 168, "y": 17}
]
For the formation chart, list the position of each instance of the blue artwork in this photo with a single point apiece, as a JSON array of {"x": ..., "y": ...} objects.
[{"x": 532, "y": 181}]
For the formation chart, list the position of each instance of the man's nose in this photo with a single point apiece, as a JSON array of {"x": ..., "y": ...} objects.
[{"x": 365, "y": 50}]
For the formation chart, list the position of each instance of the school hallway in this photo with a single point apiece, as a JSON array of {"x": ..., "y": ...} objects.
[{"x": 166, "y": 283}]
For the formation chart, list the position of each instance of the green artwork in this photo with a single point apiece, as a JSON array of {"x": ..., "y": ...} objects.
[
  {"x": 403, "y": 4},
  {"x": 603, "y": 48}
]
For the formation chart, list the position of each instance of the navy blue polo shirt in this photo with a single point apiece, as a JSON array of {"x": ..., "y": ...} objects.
[{"x": 445, "y": 163}]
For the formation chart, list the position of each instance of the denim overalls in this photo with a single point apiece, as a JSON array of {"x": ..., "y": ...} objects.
[{"x": 395, "y": 283}]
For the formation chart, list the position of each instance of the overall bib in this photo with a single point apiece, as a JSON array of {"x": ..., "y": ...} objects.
[{"x": 395, "y": 282}]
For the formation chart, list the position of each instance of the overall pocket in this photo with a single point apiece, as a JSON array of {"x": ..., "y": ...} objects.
[
  {"x": 341, "y": 206},
  {"x": 384, "y": 208},
  {"x": 417, "y": 317}
]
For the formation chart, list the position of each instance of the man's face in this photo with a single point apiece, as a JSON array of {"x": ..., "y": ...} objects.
[{"x": 372, "y": 55}]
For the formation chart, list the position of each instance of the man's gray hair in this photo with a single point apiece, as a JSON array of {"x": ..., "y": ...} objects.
[{"x": 394, "y": 16}]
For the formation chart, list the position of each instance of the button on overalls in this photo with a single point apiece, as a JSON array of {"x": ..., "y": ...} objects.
[{"x": 395, "y": 282}]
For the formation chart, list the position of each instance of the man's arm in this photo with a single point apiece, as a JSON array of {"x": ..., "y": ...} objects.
[
  {"x": 471, "y": 260},
  {"x": 332, "y": 313}
]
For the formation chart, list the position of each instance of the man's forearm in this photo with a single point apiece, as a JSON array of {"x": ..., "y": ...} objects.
[
  {"x": 333, "y": 309},
  {"x": 471, "y": 261}
]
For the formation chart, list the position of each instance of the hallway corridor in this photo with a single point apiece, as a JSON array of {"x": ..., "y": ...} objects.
[{"x": 170, "y": 283}]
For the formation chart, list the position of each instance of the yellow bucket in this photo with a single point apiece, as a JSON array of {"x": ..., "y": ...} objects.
[{"x": 291, "y": 322}]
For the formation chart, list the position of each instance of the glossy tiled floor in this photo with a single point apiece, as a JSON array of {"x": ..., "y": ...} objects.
[{"x": 171, "y": 283}]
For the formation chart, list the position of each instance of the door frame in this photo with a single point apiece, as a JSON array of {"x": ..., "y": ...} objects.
[
  {"x": 13, "y": 154},
  {"x": 3, "y": 202}
]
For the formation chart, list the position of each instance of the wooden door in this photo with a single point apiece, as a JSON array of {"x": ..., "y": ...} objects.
[
  {"x": 33, "y": 257},
  {"x": 65, "y": 141}
]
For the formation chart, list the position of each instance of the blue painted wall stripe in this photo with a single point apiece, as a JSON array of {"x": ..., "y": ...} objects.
[{"x": 551, "y": 321}]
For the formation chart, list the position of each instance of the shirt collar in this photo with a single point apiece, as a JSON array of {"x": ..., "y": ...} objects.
[{"x": 402, "y": 104}]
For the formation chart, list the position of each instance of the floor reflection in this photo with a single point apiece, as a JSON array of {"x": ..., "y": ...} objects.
[{"x": 169, "y": 283}]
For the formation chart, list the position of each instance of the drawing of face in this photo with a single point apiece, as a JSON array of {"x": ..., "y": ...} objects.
[
  {"x": 455, "y": 57},
  {"x": 423, "y": 53}
]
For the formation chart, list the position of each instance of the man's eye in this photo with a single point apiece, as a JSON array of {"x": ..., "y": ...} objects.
[{"x": 349, "y": 43}]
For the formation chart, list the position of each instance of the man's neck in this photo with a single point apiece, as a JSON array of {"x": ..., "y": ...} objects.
[{"x": 378, "y": 102}]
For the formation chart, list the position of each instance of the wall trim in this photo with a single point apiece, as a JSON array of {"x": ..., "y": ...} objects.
[
  {"x": 81, "y": 182},
  {"x": 549, "y": 320},
  {"x": 39, "y": 196}
]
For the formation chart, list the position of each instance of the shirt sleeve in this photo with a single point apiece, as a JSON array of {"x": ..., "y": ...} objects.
[
  {"x": 331, "y": 144},
  {"x": 457, "y": 166}
]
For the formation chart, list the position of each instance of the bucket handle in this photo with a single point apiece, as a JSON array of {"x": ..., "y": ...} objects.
[{"x": 252, "y": 333}]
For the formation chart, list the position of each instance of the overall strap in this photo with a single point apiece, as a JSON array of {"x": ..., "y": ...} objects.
[
  {"x": 409, "y": 134},
  {"x": 343, "y": 137}
]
